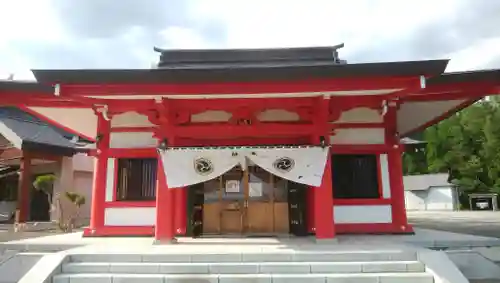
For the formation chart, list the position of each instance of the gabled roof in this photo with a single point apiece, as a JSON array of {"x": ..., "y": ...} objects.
[
  {"x": 28, "y": 132},
  {"x": 242, "y": 73}
]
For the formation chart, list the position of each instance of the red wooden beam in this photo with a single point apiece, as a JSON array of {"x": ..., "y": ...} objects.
[
  {"x": 133, "y": 129},
  {"x": 129, "y": 152},
  {"x": 334, "y": 126},
  {"x": 360, "y": 148},
  {"x": 233, "y": 131},
  {"x": 309, "y": 85},
  {"x": 446, "y": 96},
  {"x": 236, "y": 103},
  {"x": 304, "y": 140}
]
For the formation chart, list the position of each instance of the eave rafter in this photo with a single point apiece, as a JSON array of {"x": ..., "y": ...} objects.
[
  {"x": 295, "y": 86},
  {"x": 453, "y": 92}
]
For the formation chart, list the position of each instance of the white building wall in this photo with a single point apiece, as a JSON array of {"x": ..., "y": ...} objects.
[
  {"x": 362, "y": 214},
  {"x": 435, "y": 198},
  {"x": 130, "y": 216},
  {"x": 358, "y": 136},
  {"x": 440, "y": 199}
]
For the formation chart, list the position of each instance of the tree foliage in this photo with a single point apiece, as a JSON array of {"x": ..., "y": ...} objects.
[
  {"x": 65, "y": 222},
  {"x": 466, "y": 145}
]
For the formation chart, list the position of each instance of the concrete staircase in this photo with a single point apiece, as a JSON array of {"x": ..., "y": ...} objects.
[{"x": 266, "y": 266}]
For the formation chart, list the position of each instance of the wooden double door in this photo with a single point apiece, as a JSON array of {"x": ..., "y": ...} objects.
[{"x": 246, "y": 202}]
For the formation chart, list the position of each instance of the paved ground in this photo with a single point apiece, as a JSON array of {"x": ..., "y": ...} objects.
[
  {"x": 479, "y": 223},
  {"x": 7, "y": 233}
]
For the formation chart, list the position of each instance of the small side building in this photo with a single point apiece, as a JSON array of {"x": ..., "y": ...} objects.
[
  {"x": 430, "y": 192},
  {"x": 30, "y": 147}
]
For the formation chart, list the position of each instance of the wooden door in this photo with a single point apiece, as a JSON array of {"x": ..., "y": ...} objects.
[
  {"x": 264, "y": 213},
  {"x": 232, "y": 201}
]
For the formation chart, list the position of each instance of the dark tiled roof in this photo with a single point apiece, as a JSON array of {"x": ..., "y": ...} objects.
[
  {"x": 241, "y": 73},
  {"x": 32, "y": 133},
  {"x": 25, "y": 87},
  {"x": 470, "y": 76},
  {"x": 232, "y": 58}
]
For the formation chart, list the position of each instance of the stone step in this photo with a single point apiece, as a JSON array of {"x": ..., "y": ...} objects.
[
  {"x": 245, "y": 278},
  {"x": 313, "y": 256},
  {"x": 243, "y": 267}
]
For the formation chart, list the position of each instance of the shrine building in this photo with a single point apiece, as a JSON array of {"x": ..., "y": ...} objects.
[{"x": 251, "y": 142}]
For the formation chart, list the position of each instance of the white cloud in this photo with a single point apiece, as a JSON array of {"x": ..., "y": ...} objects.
[
  {"x": 34, "y": 34},
  {"x": 264, "y": 23},
  {"x": 185, "y": 38},
  {"x": 28, "y": 19},
  {"x": 477, "y": 56}
]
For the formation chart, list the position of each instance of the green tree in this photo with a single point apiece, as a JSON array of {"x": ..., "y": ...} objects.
[{"x": 466, "y": 145}]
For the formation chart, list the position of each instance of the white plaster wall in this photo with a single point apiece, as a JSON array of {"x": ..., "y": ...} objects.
[
  {"x": 130, "y": 119},
  {"x": 357, "y": 214},
  {"x": 358, "y": 136},
  {"x": 83, "y": 183},
  {"x": 277, "y": 115},
  {"x": 110, "y": 179},
  {"x": 211, "y": 116},
  {"x": 412, "y": 115},
  {"x": 132, "y": 140},
  {"x": 63, "y": 183},
  {"x": 82, "y": 162},
  {"x": 414, "y": 201},
  {"x": 68, "y": 178},
  {"x": 435, "y": 198},
  {"x": 384, "y": 176},
  {"x": 81, "y": 120},
  {"x": 440, "y": 199},
  {"x": 360, "y": 115},
  {"x": 130, "y": 216}
]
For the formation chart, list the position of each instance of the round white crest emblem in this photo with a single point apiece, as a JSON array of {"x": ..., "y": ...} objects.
[
  {"x": 203, "y": 166},
  {"x": 284, "y": 164}
]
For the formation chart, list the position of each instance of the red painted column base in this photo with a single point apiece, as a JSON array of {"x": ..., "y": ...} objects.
[
  {"x": 323, "y": 205},
  {"x": 180, "y": 210},
  {"x": 165, "y": 211},
  {"x": 371, "y": 228},
  {"x": 399, "y": 219},
  {"x": 120, "y": 231}
]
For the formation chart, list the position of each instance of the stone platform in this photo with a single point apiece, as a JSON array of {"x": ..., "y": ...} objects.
[
  {"x": 423, "y": 238},
  {"x": 81, "y": 257}
]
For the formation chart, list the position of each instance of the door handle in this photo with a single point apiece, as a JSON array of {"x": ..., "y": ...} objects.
[{"x": 245, "y": 204}]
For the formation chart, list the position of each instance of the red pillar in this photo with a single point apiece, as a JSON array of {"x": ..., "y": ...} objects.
[
  {"x": 323, "y": 205},
  {"x": 165, "y": 226},
  {"x": 180, "y": 210},
  {"x": 399, "y": 220},
  {"x": 323, "y": 195},
  {"x": 395, "y": 165},
  {"x": 165, "y": 222},
  {"x": 100, "y": 174},
  {"x": 24, "y": 190}
]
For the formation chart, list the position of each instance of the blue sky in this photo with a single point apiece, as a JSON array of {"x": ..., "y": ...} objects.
[{"x": 122, "y": 33}]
